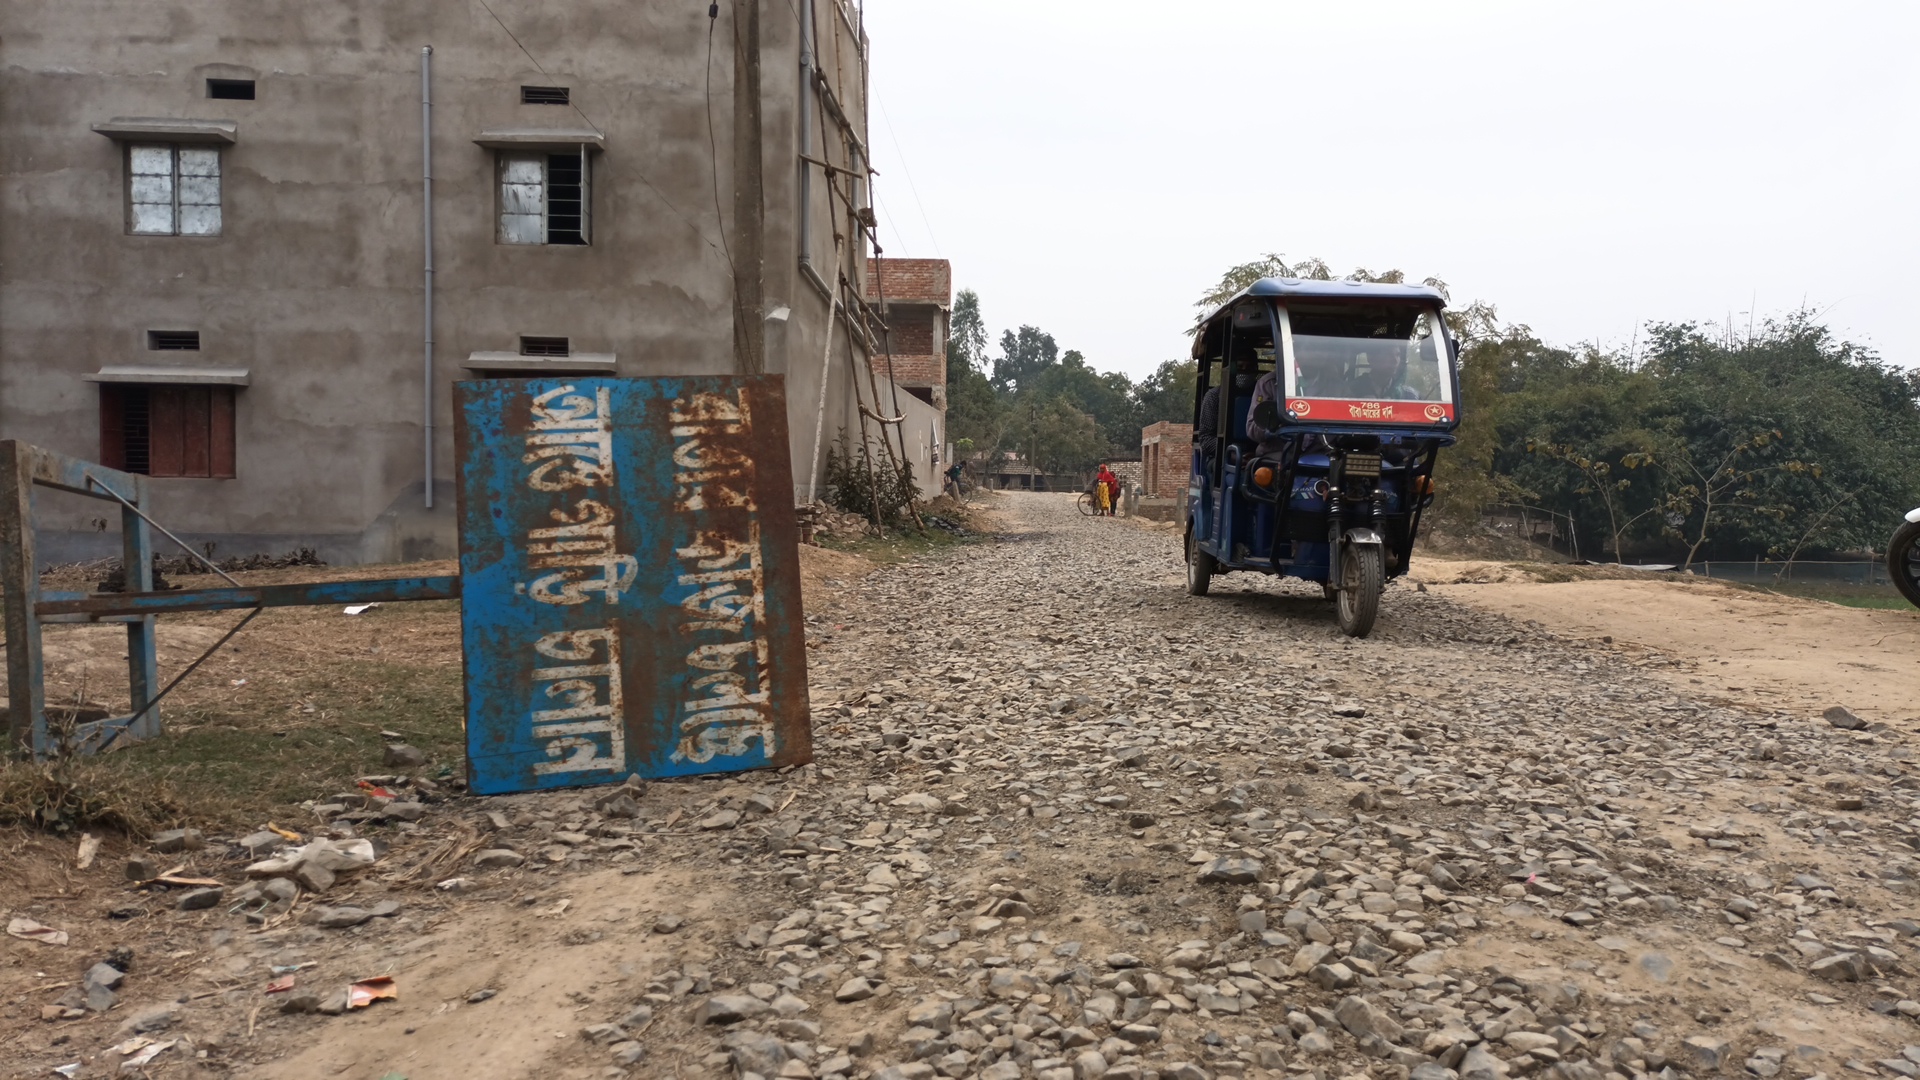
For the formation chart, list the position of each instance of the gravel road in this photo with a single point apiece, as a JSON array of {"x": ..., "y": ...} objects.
[{"x": 1067, "y": 822}]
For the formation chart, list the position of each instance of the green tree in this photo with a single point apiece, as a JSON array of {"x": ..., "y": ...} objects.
[
  {"x": 1107, "y": 398},
  {"x": 1598, "y": 480},
  {"x": 975, "y": 414},
  {"x": 1023, "y": 356},
  {"x": 967, "y": 336},
  {"x": 1167, "y": 394},
  {"x": 1246, "y": 273},
  {"x": 1056, "y": 437}
]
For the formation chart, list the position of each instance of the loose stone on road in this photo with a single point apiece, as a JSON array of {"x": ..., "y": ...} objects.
[{"x": 1067, "y": 822}]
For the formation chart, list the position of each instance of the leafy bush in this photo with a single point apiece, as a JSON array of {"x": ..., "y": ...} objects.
[{"x": 859, "y": 483}]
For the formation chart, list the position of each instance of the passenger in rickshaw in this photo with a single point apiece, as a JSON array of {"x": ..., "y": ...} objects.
[
  {"x": 1244, "y": 370},
  {"x": 1323, "y": 370},
  {"x": 1377, "y": 376}
]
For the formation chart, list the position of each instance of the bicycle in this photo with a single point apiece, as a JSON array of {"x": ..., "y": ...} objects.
[{"x": 1087, "y": 505}]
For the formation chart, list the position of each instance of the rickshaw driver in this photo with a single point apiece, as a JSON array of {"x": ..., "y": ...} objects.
[{"x": 1320, "y": 375}]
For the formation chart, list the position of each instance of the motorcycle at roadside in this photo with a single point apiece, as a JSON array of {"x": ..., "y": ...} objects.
[{"x": 1903, "y": 557}]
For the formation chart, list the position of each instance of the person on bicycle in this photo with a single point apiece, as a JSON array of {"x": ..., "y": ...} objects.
[
  {"x": 953, "y": 478},
  {"x": 1106, "y": 487}
]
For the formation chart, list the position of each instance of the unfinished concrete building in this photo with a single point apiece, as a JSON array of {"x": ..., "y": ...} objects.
[
  {"x": 915, "y": 298},
  {"x": 247, "y": 248}
]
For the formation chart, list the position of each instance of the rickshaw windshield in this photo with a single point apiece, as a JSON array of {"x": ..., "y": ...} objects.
[{"x": 1366, "y": 352}]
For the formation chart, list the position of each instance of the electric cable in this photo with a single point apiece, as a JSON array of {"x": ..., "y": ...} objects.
[
  {"x": 713, "y": 148},
  {"x": 911, "y": 186}
]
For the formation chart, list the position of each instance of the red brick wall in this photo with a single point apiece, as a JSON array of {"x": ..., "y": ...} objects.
[
  {"x": 910, "y": 330},
  {"x": 922, "y": 370},
  {"x": 926, "y": 281},
  {"x": 925, "y": 287},
  {"x": 1166, "y": 455}
]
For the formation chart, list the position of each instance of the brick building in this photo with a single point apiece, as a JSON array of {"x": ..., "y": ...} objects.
[
  {"x": 915, "y": 297},
  {"x": 1166, "y": 457}
]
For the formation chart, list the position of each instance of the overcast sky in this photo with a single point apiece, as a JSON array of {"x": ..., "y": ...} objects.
[{"x": 1091, "y": 168}]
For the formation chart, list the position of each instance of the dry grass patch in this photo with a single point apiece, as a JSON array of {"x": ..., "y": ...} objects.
[
  {"x": 294, "y": 708},
  {"x": 86, "y": 793}
]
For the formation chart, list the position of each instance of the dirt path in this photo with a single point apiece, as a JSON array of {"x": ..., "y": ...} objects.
[
  {"x": 1759, "y": 649},
  {"x": 1066, "y": 822}
]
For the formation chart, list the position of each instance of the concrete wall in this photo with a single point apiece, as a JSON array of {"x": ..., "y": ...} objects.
[{"x": 315, "y": 284}]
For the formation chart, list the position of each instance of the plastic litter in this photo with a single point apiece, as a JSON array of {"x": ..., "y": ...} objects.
[
  {"x": 146, "y": 1055},
  {"x": 367, "y": 991},
  {"x": 68, "y": 1070},
  {"x": 339, "y": 856},
  {"x": 282, "y": 984},
  {"x": 89, "y": 847},
  {"x": 28, "y": 930},
  {"x": 355, "y": 609}
]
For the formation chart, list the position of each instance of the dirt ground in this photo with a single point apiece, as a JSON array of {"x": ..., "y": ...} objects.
[
  {"x": 1752, "y": 647},
  {"x": 1067, "y": 822}
]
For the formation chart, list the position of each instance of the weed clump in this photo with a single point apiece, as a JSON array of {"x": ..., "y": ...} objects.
[{"x": 66, "y": 794}]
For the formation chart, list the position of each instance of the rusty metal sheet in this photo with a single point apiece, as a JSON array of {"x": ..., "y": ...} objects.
[{"x": 630, "y": 580}]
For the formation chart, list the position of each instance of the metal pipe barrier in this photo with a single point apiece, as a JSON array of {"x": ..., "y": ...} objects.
[{"x": 28, "y": 608}]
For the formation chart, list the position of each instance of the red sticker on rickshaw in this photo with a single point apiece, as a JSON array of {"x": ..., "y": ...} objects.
[{"x": 1390, "y": 412}]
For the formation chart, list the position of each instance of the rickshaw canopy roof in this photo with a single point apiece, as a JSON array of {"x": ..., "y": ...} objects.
[{"x": 1310, "y": 289}]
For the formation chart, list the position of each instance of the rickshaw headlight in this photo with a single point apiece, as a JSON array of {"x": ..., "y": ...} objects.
[{"x": 1263, "y": 476}]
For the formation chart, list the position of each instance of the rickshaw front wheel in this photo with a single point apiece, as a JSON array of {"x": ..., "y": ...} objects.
[
  {"x": 1362, "y": 577},
  {"x": 1200, "y": 567}
]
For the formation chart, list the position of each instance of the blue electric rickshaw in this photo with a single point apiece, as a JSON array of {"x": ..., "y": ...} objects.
[{"x": 1319, "y": 410}]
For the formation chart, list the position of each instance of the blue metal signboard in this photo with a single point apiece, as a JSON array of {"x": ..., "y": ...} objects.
[{"x": 630, "y": 580}]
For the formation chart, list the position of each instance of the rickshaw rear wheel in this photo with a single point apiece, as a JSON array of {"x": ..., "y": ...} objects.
[
  {"x": 1200, "y": 567},
  {"x": 1903, "y": 561},
  {"x": 1362, "y": 577}
]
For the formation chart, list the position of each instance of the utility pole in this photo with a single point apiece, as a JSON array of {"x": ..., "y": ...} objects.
[{"x": 749, "y": 203}]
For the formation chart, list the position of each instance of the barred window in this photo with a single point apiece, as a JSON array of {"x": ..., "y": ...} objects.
[
  {"x": 173, "y": 190},
  {"x": 543, "y": 198}
]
